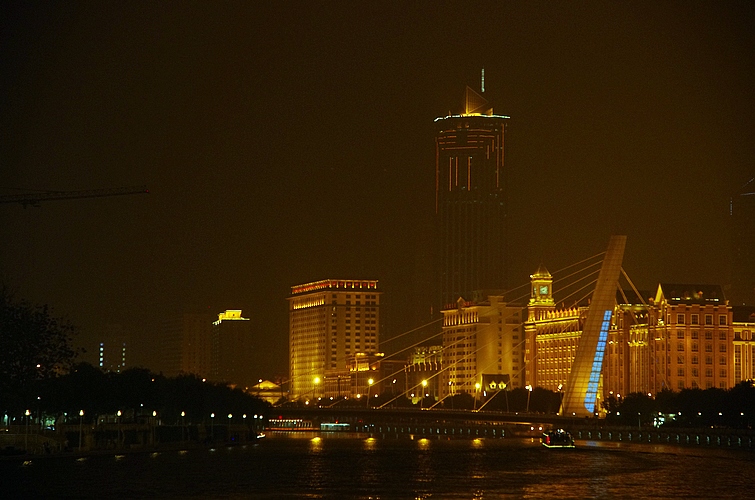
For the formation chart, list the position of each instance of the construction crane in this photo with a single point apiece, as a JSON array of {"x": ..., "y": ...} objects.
[{"x": 33, "y": 199}]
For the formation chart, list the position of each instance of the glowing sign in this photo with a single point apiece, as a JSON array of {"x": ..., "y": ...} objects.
[{"x": 597, "y": 364}]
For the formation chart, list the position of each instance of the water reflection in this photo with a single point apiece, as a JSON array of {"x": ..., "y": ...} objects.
[{"x": 361, "y": 468}]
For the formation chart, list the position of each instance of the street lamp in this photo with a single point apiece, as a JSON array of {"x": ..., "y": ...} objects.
[
  {"x": 153, "y": 424},
  {"x": 506, "y": 395},
  {"x": 561, "y": 399},
  {"x": 424, "y": 387},
  {"x": 183, "y": 425},
  {"x": 81, "y": 421},
  {"x": 212, "y": 426},
  {"x": 118, "y": 420},
  {"x": 314, "y": 387},
  {"x": 26, "y": 439},
  {"x": 476, "y": 394},
  {"x": 369, "y": 389},
  {"x": 529, "y": 392},
  {"x": 230, "y": 416}
]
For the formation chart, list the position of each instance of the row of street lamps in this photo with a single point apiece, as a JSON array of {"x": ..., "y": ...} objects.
[{"x": 154, "y": 415}]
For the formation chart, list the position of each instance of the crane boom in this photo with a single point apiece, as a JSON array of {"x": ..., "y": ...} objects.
[{"x": 34, "y": 199}]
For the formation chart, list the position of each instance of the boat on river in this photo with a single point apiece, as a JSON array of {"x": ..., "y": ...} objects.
[{"x": 558, "y": 438}]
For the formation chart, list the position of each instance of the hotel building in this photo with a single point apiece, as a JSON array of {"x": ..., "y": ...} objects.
[
  {"x": 334, "y": 334},
  {"x": 691, "y": 331}
]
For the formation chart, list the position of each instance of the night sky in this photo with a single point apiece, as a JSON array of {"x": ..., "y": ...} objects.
[{"x": 293, "y": 142}]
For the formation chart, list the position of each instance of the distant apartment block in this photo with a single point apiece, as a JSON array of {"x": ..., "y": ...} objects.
[{"x": 113, "y": 349}]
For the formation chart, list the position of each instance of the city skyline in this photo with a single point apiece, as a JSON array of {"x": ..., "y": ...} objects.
[{"x": 272, "y": 138}]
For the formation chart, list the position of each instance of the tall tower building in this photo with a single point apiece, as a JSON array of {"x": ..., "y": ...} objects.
[
  {"x": 742, "y": 213},
  {"x": 231, "y": 347},
  {"x": 470, "y": 200},
  {"x": 185, "y": 344},
  {"x": 333, "y": 330}
]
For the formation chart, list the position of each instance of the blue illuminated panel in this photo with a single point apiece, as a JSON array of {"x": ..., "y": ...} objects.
[{"x": 591, "y": 395}]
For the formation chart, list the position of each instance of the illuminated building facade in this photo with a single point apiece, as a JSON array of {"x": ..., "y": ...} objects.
[
  {"x": 691, "y": 336},
  {"x": 552, "y": 335},
  {"x": 685, "y": 336},
  {"x": 470, "y": 200},
  {"x": 743, "y": 326},
  {"x": 231, "y": 348},
  {"x": 334, "y": 332},
  {"x": 628, "y": 361},
  {"x": 422, "y": 372},
  {"x": 481, "y": 341}
]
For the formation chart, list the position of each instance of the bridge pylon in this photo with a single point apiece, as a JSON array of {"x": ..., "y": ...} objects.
[{"x": 582, "y": 385}]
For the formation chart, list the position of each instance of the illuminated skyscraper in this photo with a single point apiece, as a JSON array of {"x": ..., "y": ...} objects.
[
  {"x": 470, "y": 200},
  {"x": 333, "y": 331}
]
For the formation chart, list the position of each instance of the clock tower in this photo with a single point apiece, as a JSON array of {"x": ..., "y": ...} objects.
[{"x": 541, "y": 297}]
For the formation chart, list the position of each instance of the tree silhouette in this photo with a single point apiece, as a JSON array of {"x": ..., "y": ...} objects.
[{"x": 34, "y": 346}]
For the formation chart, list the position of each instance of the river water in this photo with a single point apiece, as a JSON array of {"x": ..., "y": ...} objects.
[{"x": 335, "y": 466}]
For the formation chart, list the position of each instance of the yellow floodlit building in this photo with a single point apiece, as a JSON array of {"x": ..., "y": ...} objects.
[
  {"x": 334, "y": 331},
  {"x": 481, "y": 341}
]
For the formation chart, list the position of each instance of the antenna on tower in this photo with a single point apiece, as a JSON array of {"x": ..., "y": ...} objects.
[{"x": 482, "y": 81}]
